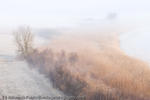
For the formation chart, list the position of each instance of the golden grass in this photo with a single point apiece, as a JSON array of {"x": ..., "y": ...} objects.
[{"x": 98, "y": 73}]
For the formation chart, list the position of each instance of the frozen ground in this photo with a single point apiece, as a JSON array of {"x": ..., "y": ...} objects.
[{"x": 16, "y": 78}]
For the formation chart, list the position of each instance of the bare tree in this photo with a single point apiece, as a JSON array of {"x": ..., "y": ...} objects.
[{"x": 24, "y": 41}]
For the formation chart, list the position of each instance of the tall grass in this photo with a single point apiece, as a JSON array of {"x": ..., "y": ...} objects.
[
  {"x": 107, "y": 76},
  {"x": 98, "y": 73}
]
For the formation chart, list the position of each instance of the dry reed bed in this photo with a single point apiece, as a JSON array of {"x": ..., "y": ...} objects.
[{"x": 107, "y": 74}]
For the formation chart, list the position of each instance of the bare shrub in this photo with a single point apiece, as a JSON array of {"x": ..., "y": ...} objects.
[
  {"x": 66, "y": 82},
  {"x": 54, "y": 65},
  {"x": 24, "y": 41}
]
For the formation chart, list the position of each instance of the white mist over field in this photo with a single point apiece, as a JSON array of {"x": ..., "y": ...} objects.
[
  {"x": 19, "y": 79},
  {"x": 136, "y": 43},
  {"x": 81, "y": 21}
]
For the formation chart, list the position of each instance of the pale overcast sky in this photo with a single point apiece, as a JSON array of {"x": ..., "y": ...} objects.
[{"x": 57, "y": 13}]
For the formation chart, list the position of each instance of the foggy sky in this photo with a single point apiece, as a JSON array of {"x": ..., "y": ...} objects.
[{"x": 59, "y": 13}]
